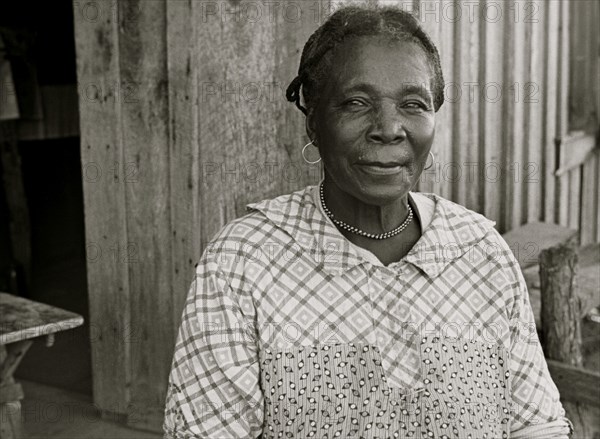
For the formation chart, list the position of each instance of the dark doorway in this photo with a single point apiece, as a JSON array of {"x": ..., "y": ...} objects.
[{"x": 44, "y": 74}]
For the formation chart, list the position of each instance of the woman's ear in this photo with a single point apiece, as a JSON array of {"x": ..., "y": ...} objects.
[{"x": 310, "y": 124}]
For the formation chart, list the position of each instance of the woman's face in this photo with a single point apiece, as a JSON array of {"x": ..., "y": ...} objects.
[{"x": 374, "y": 122}]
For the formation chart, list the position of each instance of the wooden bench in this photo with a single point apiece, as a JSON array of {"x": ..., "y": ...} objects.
[{"x": 21, "y": 322}]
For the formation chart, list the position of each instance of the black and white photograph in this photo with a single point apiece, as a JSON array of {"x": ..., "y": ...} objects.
[{"x": 300, "y": 219}]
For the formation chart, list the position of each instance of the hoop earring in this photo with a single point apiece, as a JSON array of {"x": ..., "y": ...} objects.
[
  {"x": 304, "y": 157},
  {"x": 432, "y": 160}
]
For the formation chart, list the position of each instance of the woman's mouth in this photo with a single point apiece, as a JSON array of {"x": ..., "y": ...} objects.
[{"x": 381, "y": 168}]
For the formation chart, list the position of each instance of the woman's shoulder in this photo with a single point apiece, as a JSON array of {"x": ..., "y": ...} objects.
[
  {"x": 263, "y": 216},
  {"x": 461, "y": 218},
  {"x": 454, "y": 213},
  {"x": 267, "y": 227},
  {"x": 282, "y": 203},
  {"x": 479, "y": 238}
]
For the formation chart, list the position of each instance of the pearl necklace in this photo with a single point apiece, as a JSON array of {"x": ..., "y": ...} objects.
[{"x": 356, "y": 230}]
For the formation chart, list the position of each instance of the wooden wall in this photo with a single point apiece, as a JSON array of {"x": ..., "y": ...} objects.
[
  {"x": 507, "y": 69},
  {"x": 184, "y": 121}
]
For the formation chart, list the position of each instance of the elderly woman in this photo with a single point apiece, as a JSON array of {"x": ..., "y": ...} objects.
[{"x": 357, "y": 308}]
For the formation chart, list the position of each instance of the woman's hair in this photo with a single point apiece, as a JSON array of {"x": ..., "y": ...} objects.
[{"x": 356, "y": 21}]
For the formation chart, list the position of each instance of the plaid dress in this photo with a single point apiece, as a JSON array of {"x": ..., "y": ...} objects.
[{"x": 289, "y": 330}]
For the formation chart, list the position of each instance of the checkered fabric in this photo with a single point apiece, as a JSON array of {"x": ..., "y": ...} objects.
[{"x": 283, "y": 279}]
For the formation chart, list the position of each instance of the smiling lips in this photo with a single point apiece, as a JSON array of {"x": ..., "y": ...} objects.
[{"x": 381, "y": 168}]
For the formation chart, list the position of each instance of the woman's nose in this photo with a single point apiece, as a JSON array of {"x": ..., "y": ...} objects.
[{"x": 387, "y": 127}]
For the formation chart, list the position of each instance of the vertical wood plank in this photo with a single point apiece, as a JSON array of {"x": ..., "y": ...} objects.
[
  {"x": 445, "y": 126},
  {"x": 583, "y": 81},
  {"x": 549, "y": 116},
  {"x": 594, "y": 195},
  {"x": 524, "y": 18},
  {"x": 590, "y": 200},
  {"x": 143, "y": 63},
  {"x": 595, "y": 73},
  {"x": 584, "y": 101},
  {"x": 533, "y": 102},
  {"x": 227, "y": 116},
  {"x": 466, "y": 136},
  {"x": 515, "y": 138},
  {"x": 574, "y": 207},
  {"x": 563, "y": 199},
  {"x": 597, "y": 194},
  {"x": 490, "y": 175},
  {"x": 563, "y": 183},
  {"x": 429, "y": 17},
  {"x": 291, "y": 33},
  {"x": 183, "y": 150},
  {"x": 102, "y": 158},
  {"x": 251, "y": 137}
]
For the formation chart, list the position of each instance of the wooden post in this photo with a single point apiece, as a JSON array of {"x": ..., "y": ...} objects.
[
  {"x": 561, "y": 306},
  {"x": 561, "y": 326}
]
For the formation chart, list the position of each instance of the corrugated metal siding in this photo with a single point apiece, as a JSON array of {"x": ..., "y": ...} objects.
[{"x": 506, "y": 67}]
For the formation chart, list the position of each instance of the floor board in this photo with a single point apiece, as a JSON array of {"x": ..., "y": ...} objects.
[{"x": 53, "y": 413}]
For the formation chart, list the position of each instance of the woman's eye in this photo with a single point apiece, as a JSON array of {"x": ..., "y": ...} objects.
[
  {"x": 416, "y": 105},
  {"x": 357, "y": 103}
]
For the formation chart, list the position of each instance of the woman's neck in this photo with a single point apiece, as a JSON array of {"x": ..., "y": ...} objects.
[{"x": 367, "y": 217}]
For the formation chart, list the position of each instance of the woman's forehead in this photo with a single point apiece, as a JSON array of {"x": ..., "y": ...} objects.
[{"x": 379, "y": 63}]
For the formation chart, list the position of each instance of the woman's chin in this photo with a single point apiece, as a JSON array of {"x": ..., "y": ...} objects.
[
  {"x": 383, "y": 191},
  {"x": 372, "y": 188},
  {"x": 385, "y": 184}
]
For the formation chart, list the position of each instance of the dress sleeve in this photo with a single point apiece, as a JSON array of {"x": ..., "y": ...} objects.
[
  {"x": 214, "y": 389},
  {"x": 536, "y": 407}
]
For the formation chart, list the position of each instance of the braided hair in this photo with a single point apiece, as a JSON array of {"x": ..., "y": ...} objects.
[{"x": 355, "y": 21}]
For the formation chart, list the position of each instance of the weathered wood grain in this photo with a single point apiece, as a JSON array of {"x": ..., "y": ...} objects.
[
  {"x": 597, "y": 196},
  {"x": 584, "y": 102},
  {"x": 561, "y": 329},
  {"x": 183, "y": 150},
  {"x": 102, "y": 157},
  {"x": 528, "y": 241},
  {"x": 593, "y": 197},
  {"x": 574, "y": 204},
  {"x": 290, "y": 37},
  {"x": 576, "y": 384},
  {"x": 534, "y": 104},
  {"x": 466, "y": 151},
  {"x": 515, "y": 77},
  {"x": 562, "y": 122},
  {"x": 184, "y": 121},
  {"x": 446, "y": 117},
  {"x": 145, "y": 120},
  {"x": 491, "y": 176},
  {"x": 550, "y": 91},
  {"x": 23, "y": 319},
  {"x": 428, "y": 12},
  {"x": 561, "y": 305},
  {"x": 250, "y": 136}
]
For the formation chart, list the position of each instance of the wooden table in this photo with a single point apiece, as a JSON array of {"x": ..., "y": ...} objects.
[{"x": 21, "y": 322}]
